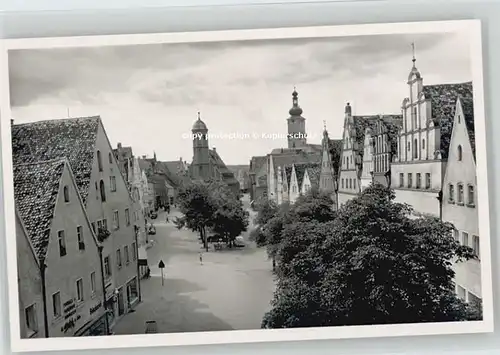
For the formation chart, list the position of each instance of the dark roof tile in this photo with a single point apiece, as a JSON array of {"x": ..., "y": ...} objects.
[
  {"x": 36, "y": 187},
  {"x": 73, "y": 139},
  {"x": 443, "y": 99}
]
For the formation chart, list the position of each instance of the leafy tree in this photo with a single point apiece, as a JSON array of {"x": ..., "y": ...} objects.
[
  {"x": 368, "y": 263},
  {"x": 229, "y": 219},
  {"x": 312, "y": 206},
  {"x": 197, "y": 206},
  {"x": 211, "y": 205}
]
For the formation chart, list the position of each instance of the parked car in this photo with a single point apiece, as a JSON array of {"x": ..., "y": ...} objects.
[
  {"x": 239, "y": 242},
  {"x": 154, "y": 215}
]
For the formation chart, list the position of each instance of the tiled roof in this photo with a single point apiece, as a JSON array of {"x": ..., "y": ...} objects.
[
  {"x": 392, "y": 125},
  {"x": 300, "y": 170},
  {"x": 335, "y": 154},
  {"x": 361, "y": 123},
  {"x": 468, "y": 110},
  {"x": 314, "y": 173},
  {"x": 295, "y": 158},
  {"x": 256, "y": 163},
  {"x": 72, "y": 138},
  {"x": 175, "y": 167},
  {"x": 36, "y": 187},
  {"x": 443, "y": 98},
  {"x": 288, "y": 174},
  {"x": 227, "y": 175}
]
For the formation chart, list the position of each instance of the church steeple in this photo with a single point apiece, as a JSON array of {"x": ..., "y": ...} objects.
[
  {"x": 414, "y": 73},
  {"x": 296, "y": 110},
  {"x": 297, "y": 137}
]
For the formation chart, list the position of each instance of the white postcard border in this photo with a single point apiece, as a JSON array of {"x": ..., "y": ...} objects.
[{"x": 471, "y": 28}]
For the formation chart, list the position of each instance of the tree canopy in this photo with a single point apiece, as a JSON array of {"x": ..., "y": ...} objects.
[
  {"x": 369, "y": 262},
  {"x": 211, "y": 205}
]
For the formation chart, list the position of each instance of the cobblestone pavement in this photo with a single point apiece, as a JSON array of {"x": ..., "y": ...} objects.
[{"x": 231, "y": 290}]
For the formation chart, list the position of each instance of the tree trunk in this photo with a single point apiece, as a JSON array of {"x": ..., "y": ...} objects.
[{"x": 205, "y": 239}]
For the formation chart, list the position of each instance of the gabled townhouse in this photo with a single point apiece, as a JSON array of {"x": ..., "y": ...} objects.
[
  {"x": 353, "y": 144},
  {"x": 103, "y": 191},
  {"x": 460, "y": 198},
  {"x": 418, "y": 169},
  {"x": 308, "y": 176},
  {"x": 380, "y": 147},
  {"x": 68, "y": 269}
]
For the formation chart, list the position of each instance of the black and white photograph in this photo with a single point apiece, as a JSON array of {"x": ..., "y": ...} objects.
[{"x": 239, "y": 186}]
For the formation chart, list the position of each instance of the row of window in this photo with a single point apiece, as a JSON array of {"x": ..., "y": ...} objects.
[
  {"x": 127, "y": 254},
  {"x": 346, "y": 161},
  {"x": 464, "y": 239},
  {"x": 467, "y": 296},
  {"x": 101, "y": 224},
  {"x": 381, "y": 163},
  {"x": 460, "y": 194},
  {"x": 61, "y": 236},
  {"x": 418, "y": 181},
  {"x": 348, "y": 183},
  {"x": 99, "y": 160},
  {"x": 31, "y": 311}
]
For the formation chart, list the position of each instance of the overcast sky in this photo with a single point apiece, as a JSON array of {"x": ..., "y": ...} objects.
[{"x": 148, "y": 96}]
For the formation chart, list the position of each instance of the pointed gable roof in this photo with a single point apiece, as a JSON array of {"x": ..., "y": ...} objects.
[
  {"x": 36, "y": 187},
  {"x": 300, "y": 170},
  {"x": 72, "y": 138},
  {"x": 443, "y": 99}
]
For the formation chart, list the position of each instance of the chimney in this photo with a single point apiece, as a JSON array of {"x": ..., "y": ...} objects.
[
  {"x": 143, "y": 157},
  {"x": 180, "y": 159},
  {"x": 11, "y": 121},
  {"x": 348, "y": 108},
  {"x": 215, "y": 150},
  {"x": 119, "y": 146}
]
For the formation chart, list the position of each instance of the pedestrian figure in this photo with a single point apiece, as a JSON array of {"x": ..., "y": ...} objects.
[
  {"x": 167, "y": 218},
  {"x": 201, "y": 259}
]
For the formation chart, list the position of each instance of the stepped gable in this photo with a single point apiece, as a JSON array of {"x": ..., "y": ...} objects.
[
  {"x": 36, "y": 188},
  {"x": 72, "y": 138},
  {"x": 443, "y": 99}
]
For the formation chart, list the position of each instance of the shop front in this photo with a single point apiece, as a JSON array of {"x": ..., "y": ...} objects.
[
  {"x": 95, "y": 327},
  {"x": 132, "y": 292}
]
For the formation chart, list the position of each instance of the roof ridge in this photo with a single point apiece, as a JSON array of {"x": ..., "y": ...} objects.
[{"x": 59, "y": 120}]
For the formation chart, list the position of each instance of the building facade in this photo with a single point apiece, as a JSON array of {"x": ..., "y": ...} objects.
[
  {"x": 353, "y": 149},
  {"x": 104, "y": 193},
  {"x": 66, "y": 246},
  {"x": 31, "y": 301},
  {"x": 460, "y": 199},
  {"x": 417, "y": 171}
]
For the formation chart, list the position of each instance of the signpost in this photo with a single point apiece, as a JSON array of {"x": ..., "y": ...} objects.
[{"x": 161, "y": 265}]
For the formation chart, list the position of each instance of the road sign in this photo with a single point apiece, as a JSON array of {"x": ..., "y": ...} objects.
[{"x": 161, "y": 266}]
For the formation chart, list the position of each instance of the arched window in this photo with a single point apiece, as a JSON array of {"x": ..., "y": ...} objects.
[
  {"x": 110, "y": 158},
  {"x": 66, "y": 193},
  {"x": 103, "y": 191},
  {"x": 423, "y": 143},
  {"x": 415, "y": 149},
  {"x": 99, "y": 160},
  {"x": 459, "y": 153},
  {"x": 451, "y": 193},
  {"x": 470, "y": 193}
]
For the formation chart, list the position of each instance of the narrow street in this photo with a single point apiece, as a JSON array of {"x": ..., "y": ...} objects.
[{"x": 231, "y": 290}]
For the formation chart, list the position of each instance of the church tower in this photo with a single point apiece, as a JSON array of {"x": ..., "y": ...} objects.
[
  {"x": 201, "y": 159},
  {"x": 296, "y": 124}
]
